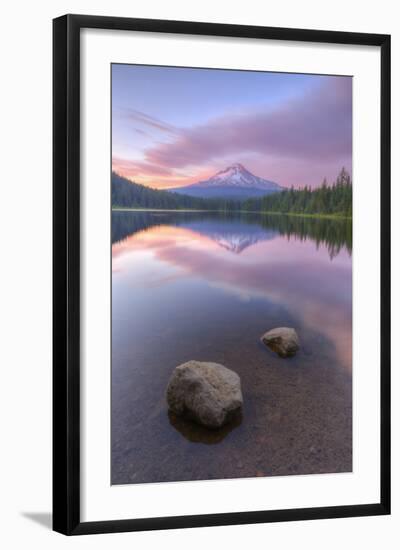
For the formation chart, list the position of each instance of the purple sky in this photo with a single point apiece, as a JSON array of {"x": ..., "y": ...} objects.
[{"x": 175, "y": 126}]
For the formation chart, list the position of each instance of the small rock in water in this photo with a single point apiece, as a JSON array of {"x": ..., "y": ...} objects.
[
  {"x": 208, "y": 393},
  {"x": 283, "y": 341}
]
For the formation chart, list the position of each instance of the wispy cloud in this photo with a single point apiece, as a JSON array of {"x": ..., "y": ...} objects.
[
  {"x": 150, "y": 121},
  {"x": 133, "y": 168},
  {"x": 141, "y": 132},
  {"x": 314, "y": 127}
]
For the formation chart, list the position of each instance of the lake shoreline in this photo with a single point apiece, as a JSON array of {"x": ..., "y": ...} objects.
[{"x": 294, "y": 214}]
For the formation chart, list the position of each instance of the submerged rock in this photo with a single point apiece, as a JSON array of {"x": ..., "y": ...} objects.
[
  {"x": 196, "y": 433},
  {"x": 208, "y": 393},
  {"x": 283, "y": 340}
]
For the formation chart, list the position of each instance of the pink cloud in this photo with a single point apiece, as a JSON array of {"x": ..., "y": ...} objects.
[
  {"x": 314, "y": 128},
  {"x": 132, "y": 168}
]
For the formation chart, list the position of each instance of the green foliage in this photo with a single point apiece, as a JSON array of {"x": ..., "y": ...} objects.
[
  {"x": 335, "y": 200},
  {"x": 328, "y": 200},
  {"x": 126, "y": 194}
]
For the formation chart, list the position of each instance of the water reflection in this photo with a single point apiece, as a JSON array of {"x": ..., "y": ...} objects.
[
  {"x": 205, "y": 287},
  {"x": 198, "y": 434},
  {"x": 247, "y": 229}
]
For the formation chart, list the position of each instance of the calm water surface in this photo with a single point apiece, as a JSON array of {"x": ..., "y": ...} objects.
[{"x": 206, "y": 286}]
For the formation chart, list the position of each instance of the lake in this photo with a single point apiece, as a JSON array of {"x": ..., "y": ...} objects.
[{"x": 206, "y": 286}]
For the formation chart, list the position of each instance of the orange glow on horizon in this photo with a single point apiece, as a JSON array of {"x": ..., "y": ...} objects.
[{"x": 128, "y": 170}]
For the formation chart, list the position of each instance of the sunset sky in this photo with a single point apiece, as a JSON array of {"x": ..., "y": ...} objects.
[{"x": 176, "y": 126}]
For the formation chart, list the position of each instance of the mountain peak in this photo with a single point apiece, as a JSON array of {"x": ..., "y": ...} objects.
[
  {"x": 235, "y": 181},
  {"x": 232, "y": 169},
  {"x": 235, "y": 166},
  {"x": 236, "y": 175}
]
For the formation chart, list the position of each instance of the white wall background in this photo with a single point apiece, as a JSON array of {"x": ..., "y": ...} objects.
[{"x": 25, "y": 289}]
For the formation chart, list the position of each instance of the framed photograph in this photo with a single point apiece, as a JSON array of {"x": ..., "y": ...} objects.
[{"x": 221, "y": 274}]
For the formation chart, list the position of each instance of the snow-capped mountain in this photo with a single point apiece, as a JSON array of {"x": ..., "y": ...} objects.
[{"x": 235, "y": 182}]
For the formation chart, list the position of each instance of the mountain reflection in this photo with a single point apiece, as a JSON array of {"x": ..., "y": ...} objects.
[
  {"x": 304, "y": 265},
  {"x": 206, "y": 286},
  {"x": 236, "y": 232}
]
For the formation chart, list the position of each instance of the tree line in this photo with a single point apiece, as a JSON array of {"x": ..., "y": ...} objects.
[
  {"x": 127, "y": 194},
  {"x": 334, "y": 235},
  {"x": 334, "y": 199}
]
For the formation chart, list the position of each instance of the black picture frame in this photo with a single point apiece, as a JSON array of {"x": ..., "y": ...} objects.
[{"x": 66, "y": 273}]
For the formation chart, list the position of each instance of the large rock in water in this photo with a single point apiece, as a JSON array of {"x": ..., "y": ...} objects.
[
  {"x": 283, "y": 341},
  {"x": 208, "y": 393}
]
